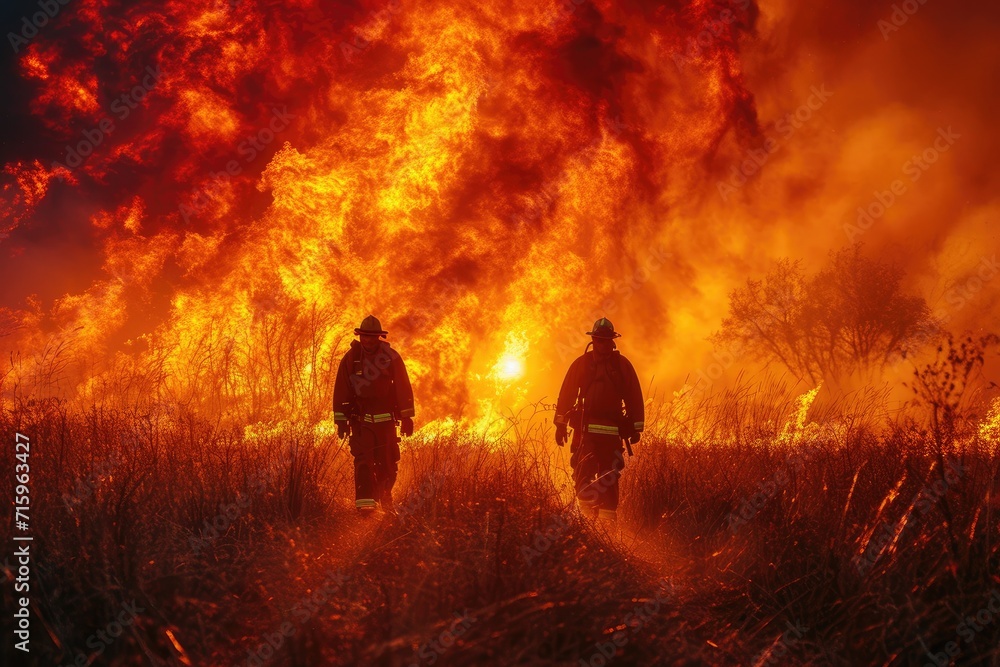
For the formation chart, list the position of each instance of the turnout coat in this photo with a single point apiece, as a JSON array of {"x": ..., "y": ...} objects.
[
  {"x": 372, "y": 387},
  {"x": 601, "y": 396}
]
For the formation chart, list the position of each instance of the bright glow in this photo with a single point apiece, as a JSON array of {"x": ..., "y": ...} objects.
[
  {"x": 510, "y": 364},
  {"x": 510, "y": 368}
]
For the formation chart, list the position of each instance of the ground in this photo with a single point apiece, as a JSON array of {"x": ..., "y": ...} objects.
[{"x": 767, "y": 548}]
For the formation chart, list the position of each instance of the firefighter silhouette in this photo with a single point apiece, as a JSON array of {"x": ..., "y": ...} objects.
[
  {"x": 371, "y": 394},
  {"x": 601, "y": 400}
]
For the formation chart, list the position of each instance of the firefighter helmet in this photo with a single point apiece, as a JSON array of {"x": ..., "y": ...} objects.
[
  {"x": 370, "y": 326},
  {"x": 603, "y": 329}
]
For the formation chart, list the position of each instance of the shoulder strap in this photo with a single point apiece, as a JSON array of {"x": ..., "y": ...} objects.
[
  {"x": 589, "y": 370},
  {"x": 615, "y": 371}
]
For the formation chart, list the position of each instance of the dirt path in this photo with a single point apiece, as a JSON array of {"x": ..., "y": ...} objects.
[{"x": 464, "y": 580}]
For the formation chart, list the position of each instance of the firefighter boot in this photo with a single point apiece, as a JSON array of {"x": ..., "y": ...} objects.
[{"x": 385, "y": 499}]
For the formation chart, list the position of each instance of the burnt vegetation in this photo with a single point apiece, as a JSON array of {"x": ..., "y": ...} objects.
[{"x": 749, "y": 534}]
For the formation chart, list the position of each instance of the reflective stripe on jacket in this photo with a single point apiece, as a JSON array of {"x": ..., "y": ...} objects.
[{"x": 373, "y": 384}]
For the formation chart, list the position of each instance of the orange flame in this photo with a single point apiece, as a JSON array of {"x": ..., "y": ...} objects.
[{"x": 460, "y": 170}]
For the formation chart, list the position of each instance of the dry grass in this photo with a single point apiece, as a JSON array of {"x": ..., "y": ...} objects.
[{"x": 471, "y": 509}]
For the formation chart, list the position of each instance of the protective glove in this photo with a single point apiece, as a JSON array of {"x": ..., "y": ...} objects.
[
  {"x": 634, "y": 438},
  {"x": 343, "y": 430},
  {"x": 406, "y": 426},
  {"x": 561, "y": 435}
]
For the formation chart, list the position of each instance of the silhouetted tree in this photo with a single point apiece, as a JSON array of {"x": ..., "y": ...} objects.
[
  {"x": 765, "y": 318},
  {"x": 851, "y": 315}
]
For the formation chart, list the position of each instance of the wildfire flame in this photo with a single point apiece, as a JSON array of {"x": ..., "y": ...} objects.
[
  {"x": 462, "y": 170},
  {"x": 989, "y": 428},
  {"x": 487, "y": 178}
]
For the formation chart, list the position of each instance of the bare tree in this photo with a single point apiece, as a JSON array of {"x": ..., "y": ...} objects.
[
  {"x": 851, "y": 315},
  {"x": 859, "y": 313}
]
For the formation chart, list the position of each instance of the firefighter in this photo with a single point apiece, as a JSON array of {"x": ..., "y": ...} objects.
[
  {"x": 371, "y": 394},
  {"x": 601, "y": 400}
]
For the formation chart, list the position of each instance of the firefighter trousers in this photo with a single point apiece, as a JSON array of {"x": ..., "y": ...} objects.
[
  {"x": 597, "y": 460},
  {"x": 375, "y": 449}
]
